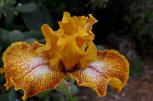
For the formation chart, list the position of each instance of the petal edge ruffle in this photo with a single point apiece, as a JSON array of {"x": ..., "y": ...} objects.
[
  {"x": 110, "y": 68},
  {"x": 28, "y": 70}
]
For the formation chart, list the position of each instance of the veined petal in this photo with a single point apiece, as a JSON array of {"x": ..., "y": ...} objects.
[
  {"x": 29, "y": 70},
  {"x": 111, "y": 68},
  {"x": 71, "y": 54},
  {"x": 90, "y": 22}
]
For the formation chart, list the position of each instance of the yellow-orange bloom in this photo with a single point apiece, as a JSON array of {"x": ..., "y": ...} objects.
[{"x": 68, "y": 51}]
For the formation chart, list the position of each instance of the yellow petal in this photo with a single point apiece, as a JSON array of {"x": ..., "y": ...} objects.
[
  {"x": 28, "y": 70},
  {"x": 56, "y": 63},
  {"x": 80, "y": 21},
  {"x": 71, "y": 43},
  {"x": 90, "y": 55},
  {"x": 69, "y": 28},
  {"x": 51, "y": 48},
  {"x": 77, "y": 49},
  {"x": 110, "y": 68},
  {"x": 90, "y": 22},
  {"x": 71, "y": 54},
  {"x": 66, "y": 17},
  {"x": 83, "y": 39},
  {"x": 71, "y": 25},
  {"x": 67, "y": 25},
  {"x": 51, "y": 39}
]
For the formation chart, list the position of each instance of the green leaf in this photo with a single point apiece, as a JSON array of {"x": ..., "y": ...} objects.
[
  {"x": 4, "y": 34},
  {"x": 11, "y": 2},
  {"x": 10, "y": 96},
  {"x": 56, "y": 97},
  {"x": 135, "y": 66},
  {"x": 68, "y": 89},
  {"x": 4, "y": 97},
  {"x": 44, "y": 94},
  {"x": 31, "y": 40},
  {"x": 74, "y": 89},
  {"x": 72, "y": 98},
  {"x": 47, "y": 19},
  {"x": 46, "y": 98},
  {"x": 27, "y": 8},
  {"x": 9, "y": 16},
  {"x": 33, "y": 35},
  {"x": 4, "y": 3},
  {"x": 15, "y": 36},
  {"x": 64, "y": 88},
  {"x": 4, "y": 41},
  {"x": 35, "y": 19}
]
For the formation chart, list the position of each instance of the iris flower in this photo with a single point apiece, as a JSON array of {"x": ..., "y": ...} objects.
[{"x": 70, "y": 51}]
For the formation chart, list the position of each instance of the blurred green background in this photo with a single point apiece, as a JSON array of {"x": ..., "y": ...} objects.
[{"x": 124, "y": 25}]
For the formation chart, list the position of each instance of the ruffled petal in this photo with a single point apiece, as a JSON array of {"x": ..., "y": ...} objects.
[
  {"x": 72, "y": 44},
  {"x": 51, "y": 47},
  {"x": 67, "y": 24},
  {"x": 111, "y": 68},
  {"x": 51, "y": 39},
  {"x": 29, "y": 70},
  {"x": 78, "y": 48},
  {"x": 72, "y": 25}
]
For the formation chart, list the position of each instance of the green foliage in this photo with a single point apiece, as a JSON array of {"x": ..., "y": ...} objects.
[
  {"x": 7, "y": 10},
  {"x": 32, "y": 13},
  {"x": 57, "y": 97},
  {"x": 27, "y": 8},
  {"x": 141, "y": 20},
  {"x": 98, "y": 3},
  {"x": 136, "y": 69},
  {"x": 33, "y": 20},
  {"x": 7, "y": 3},
  {"x": 15, "y": 36},
  {"x": 10, "y": 96},
  {"x": 68, "y": 88},
  {"x": 44, "y": 94}
]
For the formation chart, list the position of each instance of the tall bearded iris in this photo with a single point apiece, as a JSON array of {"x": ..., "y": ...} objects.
[{"x": 68, "y": 51}]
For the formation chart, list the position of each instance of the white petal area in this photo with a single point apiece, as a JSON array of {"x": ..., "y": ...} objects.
[
  {"x": 111, "y": 68},
  {"x": 29, "y": 70}
]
